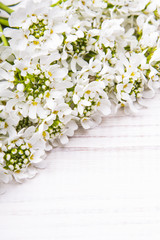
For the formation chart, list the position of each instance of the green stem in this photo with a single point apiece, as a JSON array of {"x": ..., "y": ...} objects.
[
  {"x": 5, "y": 42},
  {"x": 4, "y": 22},
  {"x": 5, "y": 8},
  {"x": 12, "y": 5},
  {"x": 57, "y": 3}
]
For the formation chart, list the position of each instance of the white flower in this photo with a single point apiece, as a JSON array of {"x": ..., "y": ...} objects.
[
  {"x": 130, "y": 83},
  {"x": 5, "y": 58},
  {"x": 110, "y": 30},
  {"x": 35, "y": 85},
  {"x": 148, "y": 32},
  {"x": 7, "y": 122},
  {"x": 40, "y": 28},
  {"x": 91, "y": 101},
  {"x": 135, "y": 78},
  {"x": 129, "y": 7},
  {"x": 21, "y": 154},
  {"x": 59, "y": 125}
]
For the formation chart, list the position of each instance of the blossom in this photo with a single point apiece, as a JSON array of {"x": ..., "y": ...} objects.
[
  {"x": 21, "y": 154},
  {"x": 33, "y": 83},
  {"x": 40, "y": 28},
  {"x": 91, "y": 102},
  {"x": 58, "y": 125},
  {"x": 7, "y": 122}
]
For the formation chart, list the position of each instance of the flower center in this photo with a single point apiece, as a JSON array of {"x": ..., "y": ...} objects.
[
  {"x": 24, "y": 123},
  {"x": 33, "y": 85},
  {"x": 37, "y": 29},
  {"x": 79, "y": 46},
  {"x": 88, "y": 110},
  {"x": 56, "y": 128},
  {"x": 16, "y": 157},
  {"x": 137, "y": 87}
]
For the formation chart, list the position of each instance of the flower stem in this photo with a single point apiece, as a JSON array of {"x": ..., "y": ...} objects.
[
  {"x": 5, "y": 42},
  {"x": 5, "y": 8},
  {"x": 57, "y": 3},
  {"x": 4, "y": 22}
]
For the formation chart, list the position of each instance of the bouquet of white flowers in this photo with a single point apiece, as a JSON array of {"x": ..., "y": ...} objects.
[{"x": 67, "y": 63}]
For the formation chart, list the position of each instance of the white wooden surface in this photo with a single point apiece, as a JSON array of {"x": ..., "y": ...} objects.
[{"x": 104, "y": 185}]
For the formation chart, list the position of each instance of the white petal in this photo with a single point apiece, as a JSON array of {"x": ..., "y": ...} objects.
[
  {"x": 64, "y": 139},
  {"x": 75, "y": 98},
  {"x": 16, "y": 21},
  {"x": 73, "y": 65},
  {"x": 42, "y": 113},
  {"x": 86, "y": 123},
  {"x": 60, "y": 73},
  {"x": 33, "y": 111},
  {"x": 10, "y": 104}
]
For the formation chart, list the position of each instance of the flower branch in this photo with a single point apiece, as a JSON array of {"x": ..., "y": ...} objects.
[
  {"x": 5, "y": 8},
  {"x": 5, "y": 42}
]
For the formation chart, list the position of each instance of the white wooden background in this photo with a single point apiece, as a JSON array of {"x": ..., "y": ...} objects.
[{"x": 104, "y": 185}]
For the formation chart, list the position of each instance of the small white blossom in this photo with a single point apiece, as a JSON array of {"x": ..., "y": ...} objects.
[
  {"x": 90, "y": 101},
  {"x": 21, "y": 154},
  {"x": 40, "y": 28},
  {"x": 59, "y": 125}
]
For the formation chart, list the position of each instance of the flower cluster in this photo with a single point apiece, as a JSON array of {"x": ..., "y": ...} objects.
[{"x": 68, "y": 63}]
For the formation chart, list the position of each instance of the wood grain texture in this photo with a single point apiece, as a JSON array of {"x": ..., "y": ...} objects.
[{"x": 103, "y": 185}]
